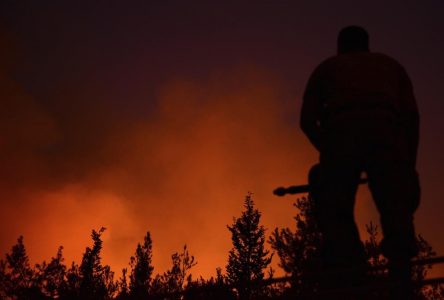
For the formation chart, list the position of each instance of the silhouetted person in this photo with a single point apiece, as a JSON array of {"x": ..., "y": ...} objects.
[{"x": 360, "y": 113}]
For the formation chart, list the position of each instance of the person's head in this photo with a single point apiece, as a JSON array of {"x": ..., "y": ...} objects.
[{"x": 352, "y": 39}]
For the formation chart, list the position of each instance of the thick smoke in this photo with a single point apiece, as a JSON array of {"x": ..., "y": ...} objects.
[{"x": 181, "y": 171}]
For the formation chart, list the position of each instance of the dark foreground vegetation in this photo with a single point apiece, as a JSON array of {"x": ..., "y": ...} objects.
[{"x": 247, "y": 275}]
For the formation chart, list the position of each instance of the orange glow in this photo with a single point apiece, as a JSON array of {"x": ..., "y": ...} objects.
[{"x": 181, "y": 174}]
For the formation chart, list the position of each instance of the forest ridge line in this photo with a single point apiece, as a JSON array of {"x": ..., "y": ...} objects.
[{"x": 246, "y": 275}]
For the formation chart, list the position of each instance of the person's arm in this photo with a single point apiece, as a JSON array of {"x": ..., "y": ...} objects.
[
  {"x": 409, "y": 116},
  {"x": 311, "y": 110}
]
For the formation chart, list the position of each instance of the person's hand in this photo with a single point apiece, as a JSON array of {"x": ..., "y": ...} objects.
[{"x": 280, "y": 191}]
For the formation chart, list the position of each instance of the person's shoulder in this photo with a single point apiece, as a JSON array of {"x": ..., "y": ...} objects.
[
  {"x": 386, "y": 59},
  {"x": 328, "y": 61},
  {"x": 325, "y": 64}
]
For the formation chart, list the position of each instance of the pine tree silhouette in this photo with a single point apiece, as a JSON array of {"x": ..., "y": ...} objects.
[
  {"x": 141, "y": 269},
  {"x": 248, "y": 258},
  {"x": 51, "y": 276},
  {"x": 19, "y": 279},
  {"x": 173, "y": 282},
  {"x": 123, "y": 286},
  {"x": 213, "y": 288},
  {"x": 299, "y": 251},
  {"x": 96, "y": 280},
  {"x": 419, "y": 272}
]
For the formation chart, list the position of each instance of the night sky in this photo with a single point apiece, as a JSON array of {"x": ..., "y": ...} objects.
[{"x": 160, "y": 116}]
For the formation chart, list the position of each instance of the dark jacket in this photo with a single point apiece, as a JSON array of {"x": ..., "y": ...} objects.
[{"x": 360, "y": 85}]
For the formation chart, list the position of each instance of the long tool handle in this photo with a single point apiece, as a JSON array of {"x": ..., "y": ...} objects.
[{"x": 300, "y": 189}]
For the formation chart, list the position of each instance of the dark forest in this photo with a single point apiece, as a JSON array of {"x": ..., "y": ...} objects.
[{"x": 247, "y": 275}]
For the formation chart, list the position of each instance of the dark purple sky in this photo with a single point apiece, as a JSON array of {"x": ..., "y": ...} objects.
[{"x": 97, "y": 96}]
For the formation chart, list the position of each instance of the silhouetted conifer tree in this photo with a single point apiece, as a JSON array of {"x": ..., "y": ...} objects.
[
  {"x": 123, "y": 286},
  {"x": 52, "y": 276},
  {"x": 19, "y": 279},
  {"x": 141, "y": 269},
  {"x": 21, "y": 274},
  {"x": 299, "y": 251},
  {"x": 419, "y": 272},
  {"x": 71, "y": 288},
  {"x": 96, "y": 280},
  {"x": 248, "y": 257},
  {"x": 426, "y": 251},
  {"x": 213, "y": 288},
  {"x": 173, "y": 281},
  {"x": 372, "y": 248}
]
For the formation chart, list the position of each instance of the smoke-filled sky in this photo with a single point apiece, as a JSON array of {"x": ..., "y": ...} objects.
[{"x": 160, "y": 116}]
